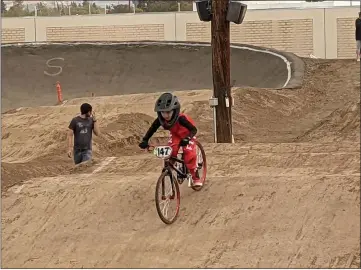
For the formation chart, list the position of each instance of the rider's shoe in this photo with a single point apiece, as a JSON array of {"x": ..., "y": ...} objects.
[{"x": 197, "y": 182}]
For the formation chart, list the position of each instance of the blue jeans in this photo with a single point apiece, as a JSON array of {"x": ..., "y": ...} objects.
[{"x": 82, "y": 155}]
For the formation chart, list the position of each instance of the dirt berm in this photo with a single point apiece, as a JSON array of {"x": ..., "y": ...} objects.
[{"x": 285, "y": 194}]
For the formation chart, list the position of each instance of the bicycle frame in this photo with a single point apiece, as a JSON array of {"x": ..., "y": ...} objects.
[
  {"x": 182, "y": 174},
  {"x": 168, "y": 164}
]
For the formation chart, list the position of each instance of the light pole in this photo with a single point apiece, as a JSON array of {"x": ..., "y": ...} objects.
[{"x": 221, "y": 13}]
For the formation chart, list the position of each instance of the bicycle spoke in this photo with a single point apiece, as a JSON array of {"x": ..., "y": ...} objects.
[
  {"x": 165, "y": 208},
  {"x": 164, "y": 204},
  {"x": 199, "y": 156}
]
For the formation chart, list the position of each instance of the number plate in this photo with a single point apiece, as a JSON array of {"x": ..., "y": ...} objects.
[{"x": 163, "y": 152}]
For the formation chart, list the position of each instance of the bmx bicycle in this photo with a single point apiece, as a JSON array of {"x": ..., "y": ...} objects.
[{"x": 176, "y": 171}]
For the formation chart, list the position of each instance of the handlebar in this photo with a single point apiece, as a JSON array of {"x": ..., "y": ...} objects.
[{"x": 151, "y": 147}]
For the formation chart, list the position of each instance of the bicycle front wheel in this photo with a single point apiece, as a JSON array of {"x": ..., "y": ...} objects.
[{"x": 166, "y": 193}]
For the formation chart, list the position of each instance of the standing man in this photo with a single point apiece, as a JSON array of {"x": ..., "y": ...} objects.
[
  {"x": 81, "y": 128},
  {"x": 358, "y": 36}
]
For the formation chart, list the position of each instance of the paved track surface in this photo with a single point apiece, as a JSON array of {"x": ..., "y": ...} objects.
[
  {"x": 121, "y": 69},
  {"x": 286, "y": 194}
]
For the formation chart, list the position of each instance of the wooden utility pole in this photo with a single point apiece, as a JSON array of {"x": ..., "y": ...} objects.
[{"x": 221, "y": 70}]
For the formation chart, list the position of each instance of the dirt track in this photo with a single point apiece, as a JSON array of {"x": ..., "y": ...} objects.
[{"x": 287, "y": 194}]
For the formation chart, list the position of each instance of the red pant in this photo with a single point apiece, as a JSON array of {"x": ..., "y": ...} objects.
[{"x": 190, "y": 152}]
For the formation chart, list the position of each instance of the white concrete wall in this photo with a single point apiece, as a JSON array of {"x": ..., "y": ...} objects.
[{"x": 323, "y": 32}]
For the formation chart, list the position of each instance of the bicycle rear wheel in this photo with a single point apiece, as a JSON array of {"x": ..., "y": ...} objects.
[
  {"x": 201, "y": 165},
  {"x": 165, "y": 195}
]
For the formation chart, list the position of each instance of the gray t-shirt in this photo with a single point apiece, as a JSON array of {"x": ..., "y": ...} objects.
[{"x": 83, "y": 131}]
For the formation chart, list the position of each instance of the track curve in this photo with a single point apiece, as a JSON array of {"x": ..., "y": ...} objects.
[{"x": 132, "y": 67}]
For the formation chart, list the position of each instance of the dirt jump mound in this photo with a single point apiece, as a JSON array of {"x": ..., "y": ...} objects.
[{"x": 30, "y": 72}]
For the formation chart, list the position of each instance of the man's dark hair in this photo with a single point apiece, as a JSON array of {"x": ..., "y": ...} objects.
[{"x": 85, "y": 108}]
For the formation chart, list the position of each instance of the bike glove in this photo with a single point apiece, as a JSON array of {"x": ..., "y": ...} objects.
[
  {"x": 143, "y": 144},
  {"x": 185, "y": 141}
]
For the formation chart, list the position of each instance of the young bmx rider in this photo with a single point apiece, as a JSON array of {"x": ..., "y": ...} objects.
[{"x": 182, "y": 130}]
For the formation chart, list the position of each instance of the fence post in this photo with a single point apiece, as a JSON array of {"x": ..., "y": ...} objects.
[{"x": 35, "y": 28}]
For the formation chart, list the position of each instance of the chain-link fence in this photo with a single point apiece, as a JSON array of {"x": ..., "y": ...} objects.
[{"x": 67, "y": 8}]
